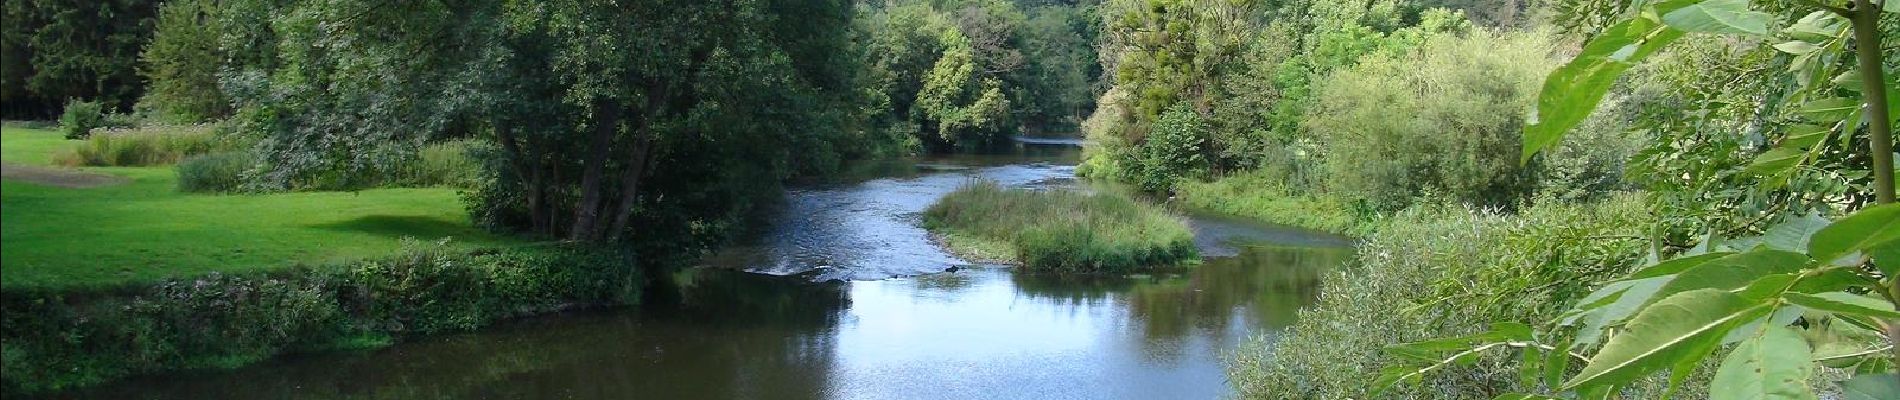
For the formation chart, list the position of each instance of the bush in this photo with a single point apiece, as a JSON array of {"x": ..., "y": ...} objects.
[
  {"x": 1441, "y": 271},
  {"x": 64, "y": 338},
  {"x": 1174, "y": 150},
  {"x": 155, "y": 145},
  {"x": 1444, "y": 118},
  {"x": 1060, "y": 231},
  {"x": 80, "y": 118},
  {"x": 214, "y": 173}
]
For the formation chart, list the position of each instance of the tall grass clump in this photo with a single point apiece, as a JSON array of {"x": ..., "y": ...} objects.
[
  {"x": 214, "y": 173},
  {"x": 445, "y": 164},
  {"x": 1060, "y": 231},
  {"x": 1436, "y": 271},
  {"x": 156, "y": 145}
]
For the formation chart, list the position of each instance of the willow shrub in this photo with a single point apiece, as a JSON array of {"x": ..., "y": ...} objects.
[
  {"x": 1436, "y": 271},
  {"x": 1440, "y": 119},
  {"x": 1060, "y": 231},
  {"x": 56, "y": 338}
]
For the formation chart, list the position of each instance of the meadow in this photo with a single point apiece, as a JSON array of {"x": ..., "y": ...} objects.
[{"x": 144, "y": 229}]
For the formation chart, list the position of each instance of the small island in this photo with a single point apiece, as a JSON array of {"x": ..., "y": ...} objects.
[{"x": 1059, "y": 231}]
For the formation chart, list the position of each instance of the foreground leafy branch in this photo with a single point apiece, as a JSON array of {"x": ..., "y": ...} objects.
[{"x": 1672, "y": 315}]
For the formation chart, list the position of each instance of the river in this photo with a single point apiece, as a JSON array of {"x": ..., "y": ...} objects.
[{"x": 844, "y": 297}]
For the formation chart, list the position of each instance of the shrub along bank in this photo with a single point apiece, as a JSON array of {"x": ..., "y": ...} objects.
[
  {"x": 1060, "y": 230},
  {"x": 1437, "y": 271},
  {"x": 56, "y": 338}
]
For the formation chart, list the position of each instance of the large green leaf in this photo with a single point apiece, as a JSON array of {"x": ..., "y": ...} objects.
[
  {"x": 1676, "y": 265},
  {"x": 1679, "y": 330},
  {"x": 1775, "y": 161},
  {"x": 1735, "y": 271},
  {"x": 1572, "y": 92},
  {"x": 1892, "y": 6},
  {"x": 1844, "y": 303},
  {"x": 1719, "y": 16},
  {"x": 1864, "y": 230},
  {"x": 1871, "y": 387},
  {"x": 1789, "y": 235},
  {"x": 1773, "y": 365},
  {"x": 1521, "y": 396}
]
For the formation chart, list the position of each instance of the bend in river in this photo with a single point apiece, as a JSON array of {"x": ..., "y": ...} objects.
[{"x": 847, "y": 298}]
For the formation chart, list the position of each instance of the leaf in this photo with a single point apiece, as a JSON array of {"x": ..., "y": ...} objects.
[
  {"x": 1557, "y": 363},
  {"x": 1719, "y": 16},
  {"x": 1572, "y": 92},
  {"x": 1626, "y": 302},
  {"x": 1775, "y": 161},
  {"x": 1891, "y": 6},
  {"x": 1789, "y": 235},
  {"x": 1681, "y": 329},
  {"x": 1844, "y": 303},
  {"x": 1871, "y": 387},
  {"x": 1818, "y": 25},
  {"x": 1833, "y": 109},
  {"x": 1863, "y": 230},
  {"x": 1887, "y": 257},
  {"x": 1676, "y": 265},
  {"x": 1735, "y": 271},
  {"x": 1796, "y": 47},
  {"x": 1805, "y": 136},
  {"x": 1521, "y": 396},
  {"x": 1772, "y": 365}
]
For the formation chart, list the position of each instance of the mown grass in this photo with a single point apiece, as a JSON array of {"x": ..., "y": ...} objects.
[
  {"x": 1059, "y": 231},
  {"x": 1259, "y": 197},
  {"x": 146, "y": 230}
]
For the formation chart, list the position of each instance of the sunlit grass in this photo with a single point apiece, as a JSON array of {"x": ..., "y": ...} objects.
[{"x": 145, "y": 229}]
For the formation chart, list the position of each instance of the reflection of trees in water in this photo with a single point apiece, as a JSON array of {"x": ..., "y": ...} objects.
[
  {"x": 724, "y": 336},
  {"x": 1263, "y": 286}
]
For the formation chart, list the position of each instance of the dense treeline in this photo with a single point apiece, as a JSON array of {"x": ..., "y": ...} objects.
[
  {"x": 969, "y": 73},
  {"x": 55, "y": 50}
]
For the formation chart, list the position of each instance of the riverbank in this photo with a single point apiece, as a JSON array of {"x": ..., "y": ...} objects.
[
  {"x": 72, "y": 337},
  {"x": 1061, "y": 231},
  {"x": 129, "y": 276},
  {"x": 1429, "y": 271}
]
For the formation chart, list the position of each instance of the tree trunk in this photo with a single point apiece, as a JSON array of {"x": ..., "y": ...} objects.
[
  {"x": 587, "y": 213},
  {"x": 1866, "y": 18},
  {"x": 630, "y": 185},
  {"x": 527, "y": 167}
]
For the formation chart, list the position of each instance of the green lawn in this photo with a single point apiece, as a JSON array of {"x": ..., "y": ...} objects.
[{"x": 146, "y": 229}]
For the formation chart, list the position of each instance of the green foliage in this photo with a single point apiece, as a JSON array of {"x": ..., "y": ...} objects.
[
  {"x": 1174, "y": 150},
  {"x": 1444, "y": 272},
  {"x": 58, "y": 339},
  {"x": 55, "y": 50},
  {"x": 182, "y": 61},
  {"x": 1061, "y": 231},
  {"x": 214, "y": 172},
  {"x": 1384, "y": 144},
  {"x": 153, "y": 145},
  {"x": 80, "y": 118},
  {"x": 1265, "y": 197}
]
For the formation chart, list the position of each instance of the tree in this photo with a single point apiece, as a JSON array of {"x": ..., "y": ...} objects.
[{"x": 182, "y": 61}]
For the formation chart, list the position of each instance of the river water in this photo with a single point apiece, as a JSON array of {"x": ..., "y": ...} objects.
[{"x": 844, "y": 297}]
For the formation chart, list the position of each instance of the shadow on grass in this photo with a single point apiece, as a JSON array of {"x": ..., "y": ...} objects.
[{"x": 419, "y": 227}]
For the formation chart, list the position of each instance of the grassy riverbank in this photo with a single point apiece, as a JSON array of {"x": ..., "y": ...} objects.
[
  {"x": 1059, "y": 231},
  {"x": 111, "y": 271},
  {"x": 1259, "y": 197},
  {"x": 142, "y": 229}
]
